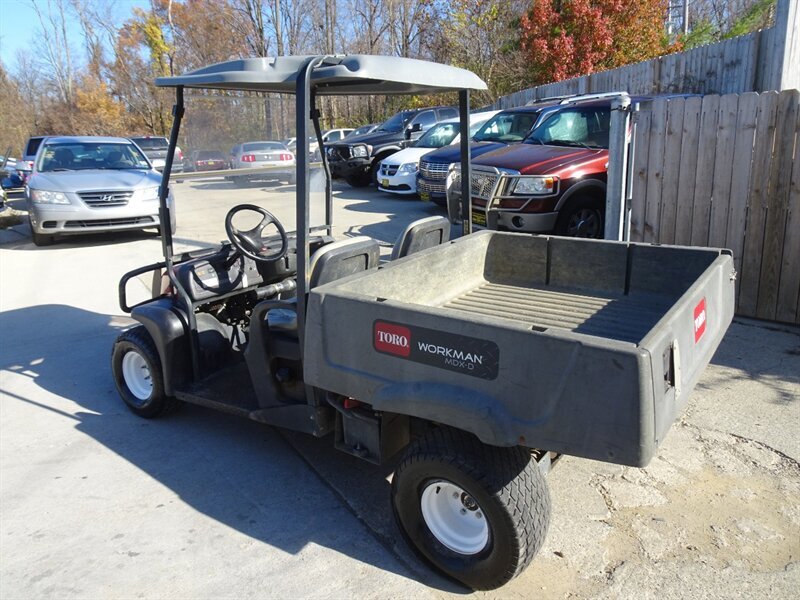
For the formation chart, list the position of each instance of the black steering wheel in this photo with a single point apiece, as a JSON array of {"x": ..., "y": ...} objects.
[{"x": 250, "y": 242}]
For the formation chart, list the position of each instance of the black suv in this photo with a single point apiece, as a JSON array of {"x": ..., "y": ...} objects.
[{"x": 358, "y": 158}]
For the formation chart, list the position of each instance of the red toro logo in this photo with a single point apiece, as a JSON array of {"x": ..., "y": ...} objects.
[
  {"x": 699, "y": 320},
  {"x": 393, "y": 339}
]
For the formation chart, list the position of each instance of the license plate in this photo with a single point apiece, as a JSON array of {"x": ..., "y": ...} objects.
[
  {"x": 384, "y": 183},
  {"x": 425, "y": 196},
  {"x": 479, "y": 218}
]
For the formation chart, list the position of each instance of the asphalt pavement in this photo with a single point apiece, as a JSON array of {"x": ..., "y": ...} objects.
[{"x": 95, "y": 502}]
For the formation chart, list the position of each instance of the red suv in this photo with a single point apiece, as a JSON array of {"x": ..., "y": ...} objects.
[{"x": 554, "y": 180}]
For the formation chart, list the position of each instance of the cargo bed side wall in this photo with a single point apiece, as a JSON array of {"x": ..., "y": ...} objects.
[
  {"x": 694, "y": 327},
  {"x": 460, "y": 267}
]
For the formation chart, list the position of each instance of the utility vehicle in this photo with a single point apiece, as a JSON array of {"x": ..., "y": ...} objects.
[{"x": 482, "y": 369}]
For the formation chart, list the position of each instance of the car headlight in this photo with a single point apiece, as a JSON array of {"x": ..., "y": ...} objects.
[
  {"x": 45, "y": 197},
  {"x": 146, "y": 194},
  {"x": 532, "y": 186},
  {"x": 360, "y": 151},
  {"x": 408, "y": 168}
]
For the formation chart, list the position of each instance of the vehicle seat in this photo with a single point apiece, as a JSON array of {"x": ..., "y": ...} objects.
[
  {"x": 329, "y": 263},
  {"x": 421, "y": 235}
]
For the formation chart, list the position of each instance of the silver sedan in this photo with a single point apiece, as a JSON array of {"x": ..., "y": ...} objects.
[
  {"x": 91, "y": 184},
  {"x": 278, "y": 159}
]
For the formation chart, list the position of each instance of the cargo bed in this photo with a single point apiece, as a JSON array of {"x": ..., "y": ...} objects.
[{"x": 582, "y": 347}]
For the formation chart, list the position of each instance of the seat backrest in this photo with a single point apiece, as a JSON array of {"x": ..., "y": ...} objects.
[
  {"x": 420, "y": 235},
  {"x": 339, "y": 259}
]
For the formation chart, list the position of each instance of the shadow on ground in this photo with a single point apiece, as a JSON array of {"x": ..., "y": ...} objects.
[{"x": 247, "y": 476}]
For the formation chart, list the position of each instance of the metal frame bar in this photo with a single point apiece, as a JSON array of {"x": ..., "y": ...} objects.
[{"x": 466, "y": 168}]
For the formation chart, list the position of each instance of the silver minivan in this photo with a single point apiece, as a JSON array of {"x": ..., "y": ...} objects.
[{"x": 91, "y": 184}]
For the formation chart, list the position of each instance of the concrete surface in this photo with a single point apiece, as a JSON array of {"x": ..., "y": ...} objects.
[{"x": 95, "y": 502}]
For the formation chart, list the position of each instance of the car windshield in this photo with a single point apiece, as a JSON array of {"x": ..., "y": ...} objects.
[
  {"x": 507, "y": 127},
  {"x": 360, "y": 130},
  {"x": 151, "y": 143},
  {"x": 396, "y": 123},
  {"x": 585, "y": 127},
  {"x": 80, "y": 156},
  {"x": 256, "y": 146},
  {"x": 438, "y": 136}
]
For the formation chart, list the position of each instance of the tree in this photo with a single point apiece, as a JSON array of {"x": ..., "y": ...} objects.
[{"x": 569, "y": 38}]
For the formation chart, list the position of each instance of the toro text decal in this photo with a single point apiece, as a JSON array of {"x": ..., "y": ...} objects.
[
  {"x": 467, "y": 355},
  {"x": 699, "y": 320}
]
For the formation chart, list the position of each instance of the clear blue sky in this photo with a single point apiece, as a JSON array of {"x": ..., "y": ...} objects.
[{"x": 19, "y": 26}]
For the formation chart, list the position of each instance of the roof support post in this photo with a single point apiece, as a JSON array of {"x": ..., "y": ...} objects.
[
  {"x": 466, "y": 169},
  {"x": 617, "y": 218}
]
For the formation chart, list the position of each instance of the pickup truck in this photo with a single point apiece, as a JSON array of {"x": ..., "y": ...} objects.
[
  {"x": 358, "y": 158},
  {"x": 155, "y": 149},
  {"x": 554, "y": 181}
]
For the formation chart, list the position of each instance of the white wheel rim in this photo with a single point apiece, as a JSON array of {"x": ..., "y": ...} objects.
[
  {"x": 137, "y": 376},
  {"x": 454, "y": 517}
]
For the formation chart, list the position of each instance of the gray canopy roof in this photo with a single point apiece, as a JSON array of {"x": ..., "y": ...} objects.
[{"x": 345, "y": 74}]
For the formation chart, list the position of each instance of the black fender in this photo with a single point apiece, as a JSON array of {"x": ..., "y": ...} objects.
[
  {"x": 595, "y": 186},
  {"x": 384, "y": 151},
  {"x": 168, "y": 327}
]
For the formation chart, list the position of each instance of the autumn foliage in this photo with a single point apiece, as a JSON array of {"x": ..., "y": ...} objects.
[{"x": 569, "y": 38}]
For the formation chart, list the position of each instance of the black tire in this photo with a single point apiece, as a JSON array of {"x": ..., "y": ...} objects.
[
  {"x": 40, "y": 239},
  {"x": 156, "y": 403},
  {"x": 357, "y": 181},
  {"x": 504, "y": 483},
  {"x": 583, "y": 216},
  {"x": 373, "y": 170}
]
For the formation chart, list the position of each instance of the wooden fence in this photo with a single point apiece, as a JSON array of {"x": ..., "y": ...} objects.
[{"x": 724, "y": 171}]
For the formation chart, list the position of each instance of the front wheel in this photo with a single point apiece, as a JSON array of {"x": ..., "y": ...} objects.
[
  {"x": 582, "y": 217},
  {"x": 137, "y": 374},
  {"x": 477, "y": 513}
]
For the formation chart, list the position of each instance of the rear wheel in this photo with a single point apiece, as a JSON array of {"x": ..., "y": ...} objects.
[
  {"x": 477, "y": 513},
  {"x": 138, "y": 376},
  {"x": 583, "y": 216}
]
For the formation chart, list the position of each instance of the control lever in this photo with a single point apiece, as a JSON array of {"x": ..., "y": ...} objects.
[{"x": 268, "y": 291}]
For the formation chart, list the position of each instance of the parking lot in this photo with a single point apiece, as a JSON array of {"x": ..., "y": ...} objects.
[{"x": 96, "y": 502}]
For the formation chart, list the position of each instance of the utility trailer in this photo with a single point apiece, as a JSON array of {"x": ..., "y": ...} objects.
[{"x": 481, "y": 359}]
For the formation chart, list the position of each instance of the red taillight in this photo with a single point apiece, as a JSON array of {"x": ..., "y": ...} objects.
[
  {"x": 249, "y": 158},
  {"x": 286, "y": 157},
  {"x": 30, "y": 164},
  {"x": 180, "y": 155}
]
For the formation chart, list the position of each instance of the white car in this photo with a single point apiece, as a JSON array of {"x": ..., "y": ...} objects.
[{"x": 398, "y": 173}]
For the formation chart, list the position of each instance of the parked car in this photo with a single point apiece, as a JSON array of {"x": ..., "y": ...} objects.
[
  {"x": 206, "y": 160},
  {"x": 554, "y": 181},
  {"x": 509, "y": 126},
  {"x": 155, "y": 148},
  {"x": 363, "y": 129},
  {"x": 91, "y": 184},
  {"x": 29, "y": 155},
  {"x": 357, "y": 159},
  {"x": 254, "y": 155},
  {"x": 290, "y": 143},
  {"x": 398, "y": 171}
]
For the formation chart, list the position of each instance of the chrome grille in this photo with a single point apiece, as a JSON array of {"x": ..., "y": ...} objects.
[
  {"x": 482, "y": 184},
  {"x": 336, "y": 153},
  {"x": 432, "y": 170},
  {"x": 430, "y": 187},
  {"x": 105, "y": 199}
]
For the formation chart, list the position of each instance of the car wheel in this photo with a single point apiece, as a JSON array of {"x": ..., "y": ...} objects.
[
  {"x": 477, "y": 513},
  {"x": 138, "y": 376},
  {"x": 358, "y": 181},
  {"x": 582, "y": 217}
]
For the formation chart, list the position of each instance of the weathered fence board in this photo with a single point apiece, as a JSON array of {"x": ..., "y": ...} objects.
[{"x": 725, "y": 172}]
